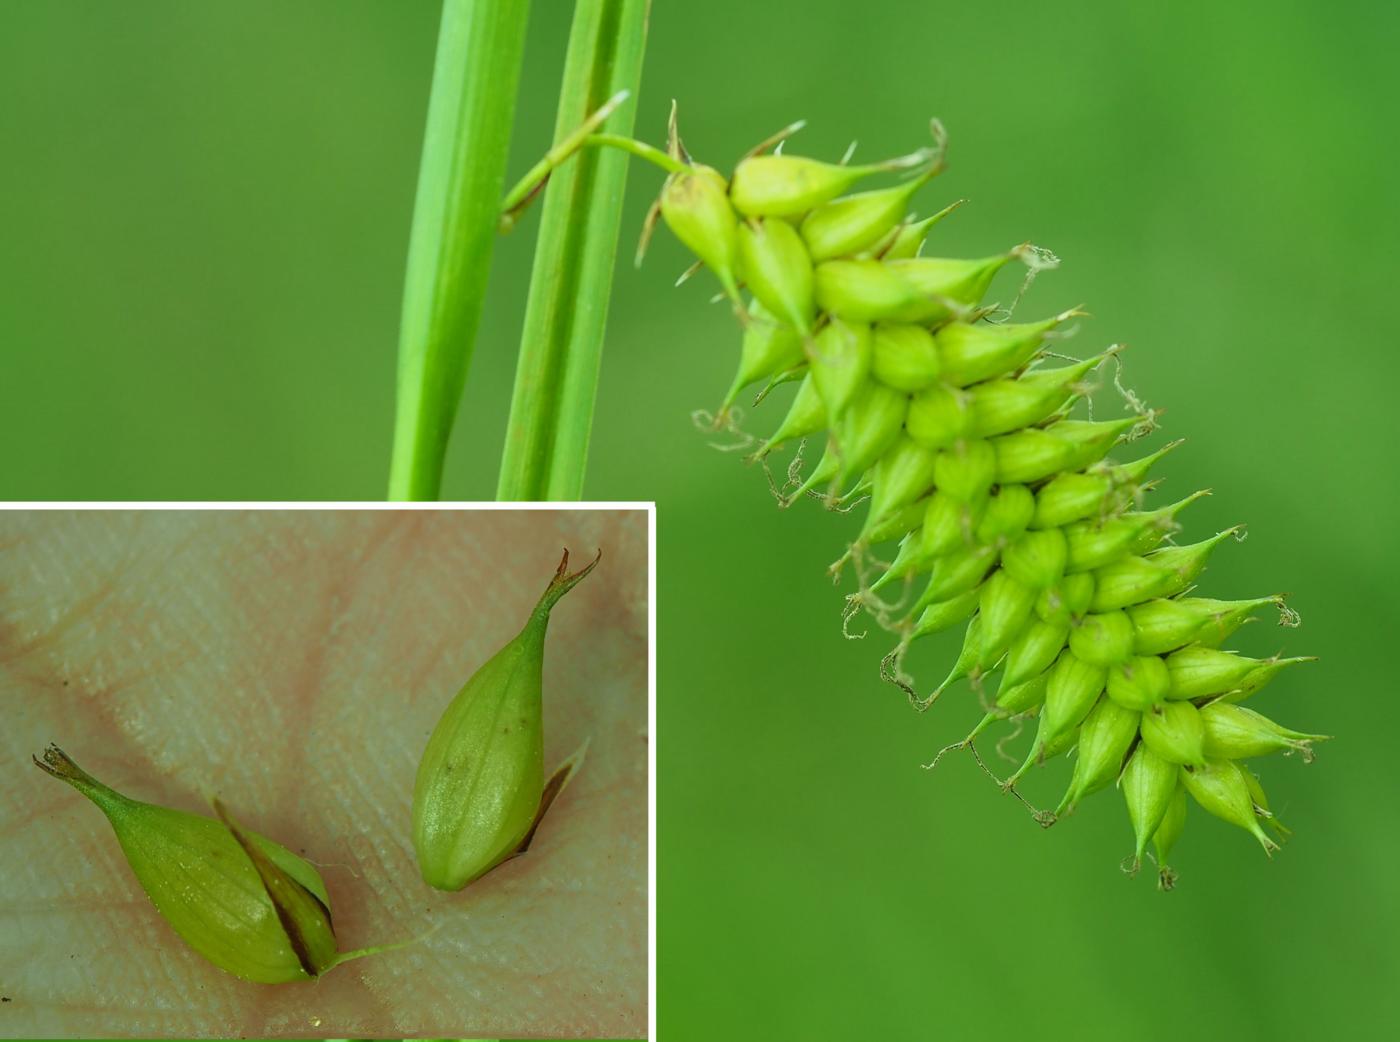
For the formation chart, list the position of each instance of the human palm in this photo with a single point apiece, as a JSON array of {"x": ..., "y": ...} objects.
[{"x": 293, "y": 663}]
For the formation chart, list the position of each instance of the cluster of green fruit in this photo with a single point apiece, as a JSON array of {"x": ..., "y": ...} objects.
[{"x": 965, "y": 445}]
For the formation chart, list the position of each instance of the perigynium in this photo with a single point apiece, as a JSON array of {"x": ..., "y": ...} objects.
[
  {"x": 1004, "y": 501},
  {"x": 480, "y": 790},
  {"x": 244, "y": 902}
]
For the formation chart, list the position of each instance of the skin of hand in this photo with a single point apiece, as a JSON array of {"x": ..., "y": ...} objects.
[{"x": 293, "y": 663}]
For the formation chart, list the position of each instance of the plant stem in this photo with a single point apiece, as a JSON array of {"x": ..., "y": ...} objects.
[
  {"x": 641, "y": 149},
  {"x": 561, "y": 344},
  {"x": 523, "y": 192},
  {"x": 465, "y": 148}
]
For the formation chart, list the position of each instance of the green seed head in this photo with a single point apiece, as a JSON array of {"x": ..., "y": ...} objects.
[
  {"x": 1220, "y": 787},
  {"x": 847, "y": 226},
  {"x": 968, "y": 657},
  {"x": 1034, "y": 650},
  {"x": 1149, "y": 784},
  {"x": 959, "y": 572},
  {"x": 1164, "y": 839},
  {"x": 903, "y": 475},
  {"x": 840, "y": 360},
  {"x": 1163, "y": 625},
  {"x": 1199, "y": 671},
  {"x": 1233, "y": 732},
  {"x": 1037, "y": 559},
  {"x": 1103, "y": 638},
  {"x": 1029, "y": 455},
  {"x": 966, "y": 471},
  {"x": 1099, "y": 542},
  {"x": 973, "y": 352},
  {"x": 248, "y": 905},
  {"x": 1066, "y": 602},
  {"x": 1226, "y": 616},
  {"x": 1129, "y": 581},
  {"x": 778, "y": 271},
  {"x": 1175, "y": 732},
  {"x": 939, "y": 415},
  {"x": 1006, "y": 515},
  {"x": 1073, "y": 689},
  {"x": 869, "y": 427},
  {"x": 1005, "y": 606},
  {"x": 944, "y": 287},
  {"x": 977, "y": 464},
  {"x": 908, "y": 559},
  {"x": 942, "y": 615},
  {"x": 1044, "y": 749},
  {"x": 790, "y": 375},
  {"x": 1261, "y": 674},
  {"x": 1104, "y": 740},
  {"x": 1186, "y": 563},
  {"x": 805, "y": 416},
  {"x": 909, "y": 238},
  {"x": 824, "y": 474},
  {"x": 1065, "y": 743},
  {"x": 1087, "y": 441},
  {"x": 1135, "y": 472},
  {"x": 1021, "y": 698},
  {"x": 1261, "y": 803},
  {"x": 1004, "y": 405},
  {"x": 897, "y": 523},
  {"x": 770, "y": 348},
  {"x": 904, "y": 357},
  {"x": 789, "y": 186},
  {"x": 1071, "y": 497},
  {"x": 1152, "y": 526},
  {"x": 1140, "y": 683},
  {"x": 863, "y": 291},
  {"x": 695, "y": 206},
  {"x": 949, "y": 524},
  {"x": 481, "y": 778}
]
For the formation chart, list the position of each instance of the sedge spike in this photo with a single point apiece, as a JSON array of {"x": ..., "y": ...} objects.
[{"x": 987, "y": 456}]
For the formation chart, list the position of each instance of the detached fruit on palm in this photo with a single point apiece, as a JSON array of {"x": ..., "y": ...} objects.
[
  {"x": 248, "y": 905},
  {"x": 480, "y": 786}
]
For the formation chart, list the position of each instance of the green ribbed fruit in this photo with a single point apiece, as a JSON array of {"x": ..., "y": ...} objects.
[{"x": 1018, "y": 510}]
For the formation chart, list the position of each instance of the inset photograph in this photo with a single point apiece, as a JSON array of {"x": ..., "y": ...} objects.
[{"x": 325, "y": 772}]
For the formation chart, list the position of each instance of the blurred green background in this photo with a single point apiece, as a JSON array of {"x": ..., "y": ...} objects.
[{"x": 206, "y": 210}]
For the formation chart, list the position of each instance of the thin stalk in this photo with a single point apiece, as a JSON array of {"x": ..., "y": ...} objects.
[
  {"x": 465, "y": 146},
  {"x": 525, "y": 190},
  {"x": 650, "y": 153},
  {"x": 561, "y": 344}
]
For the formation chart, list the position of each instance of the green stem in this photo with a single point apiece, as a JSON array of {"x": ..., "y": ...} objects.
[
  {"x": 465, "y": 148},
  {"x": 523, "y": 192},
  {"x": 528, "y": 186},
  {"x": 561, "y": 344},
  {"x": 650, "y": 153}
]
